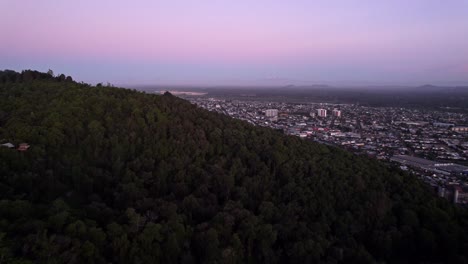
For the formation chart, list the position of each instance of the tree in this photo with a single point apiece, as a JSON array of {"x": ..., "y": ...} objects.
[{"x": 61, "y": 77}]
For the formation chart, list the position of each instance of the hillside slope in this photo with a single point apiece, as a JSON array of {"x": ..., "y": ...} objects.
[{"x": 114, "y": 175}]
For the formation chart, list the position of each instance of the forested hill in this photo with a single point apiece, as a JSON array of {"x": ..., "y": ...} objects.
[{"x": 119, "y": 176}]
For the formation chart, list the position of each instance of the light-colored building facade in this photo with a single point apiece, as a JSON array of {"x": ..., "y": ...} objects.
[
  {"x": 336, "y": 113},
  {"x": 322, "y": 112},
  {"x": 271, "y": 112}
]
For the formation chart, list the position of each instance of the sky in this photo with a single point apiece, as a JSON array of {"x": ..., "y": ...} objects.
[{"x": 241, "y": 42}]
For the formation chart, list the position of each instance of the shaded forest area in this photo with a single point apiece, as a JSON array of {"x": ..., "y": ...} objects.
[{"x": 119, "y": 176}]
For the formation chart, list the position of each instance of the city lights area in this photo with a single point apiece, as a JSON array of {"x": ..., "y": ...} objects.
[{"x": 432, "y": 144}]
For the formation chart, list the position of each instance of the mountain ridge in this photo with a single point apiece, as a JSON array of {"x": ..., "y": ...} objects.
[{"x": 116, "y": 175}]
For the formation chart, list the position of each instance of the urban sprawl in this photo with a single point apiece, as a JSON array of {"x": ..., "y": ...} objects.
[{"x": 430, "y": 144}]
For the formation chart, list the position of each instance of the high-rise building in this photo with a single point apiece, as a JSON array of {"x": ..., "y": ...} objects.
[
  {"x": 271, "y": 112},
  {"x": 322, "y": 112},
  {"x": 336, "y": 113}
]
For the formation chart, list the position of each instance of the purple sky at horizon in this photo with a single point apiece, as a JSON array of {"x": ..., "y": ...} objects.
[{"x": 222, "y": 42}]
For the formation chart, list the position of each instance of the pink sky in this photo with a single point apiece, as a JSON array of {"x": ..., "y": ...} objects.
[{"x": 418, "y": 41}]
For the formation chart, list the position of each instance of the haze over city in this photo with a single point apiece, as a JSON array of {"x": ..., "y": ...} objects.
[{"x": 240, "y": 42}]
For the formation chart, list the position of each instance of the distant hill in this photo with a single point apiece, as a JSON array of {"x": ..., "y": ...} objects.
[
  {"x": 119, "y": 176},
  {"x": 429, "y": 88}
]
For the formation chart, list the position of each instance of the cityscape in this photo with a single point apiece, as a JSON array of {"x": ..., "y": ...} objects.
[{"x": 430, "y": 144}]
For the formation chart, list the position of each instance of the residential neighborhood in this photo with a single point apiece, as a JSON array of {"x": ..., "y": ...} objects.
[{"x": 431, "y": 144}]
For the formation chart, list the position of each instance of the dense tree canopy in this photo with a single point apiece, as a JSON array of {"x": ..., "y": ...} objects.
[{"x": 119, "y": 176}]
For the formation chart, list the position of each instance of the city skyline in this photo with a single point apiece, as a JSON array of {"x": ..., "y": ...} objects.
[{"x": 240, "y": 43}]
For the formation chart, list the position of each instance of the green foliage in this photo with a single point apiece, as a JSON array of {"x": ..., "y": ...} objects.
[{"x": 120, "y": 176}]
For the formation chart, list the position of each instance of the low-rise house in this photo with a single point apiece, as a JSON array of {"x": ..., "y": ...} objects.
[{"x": 23, "y": 147}]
